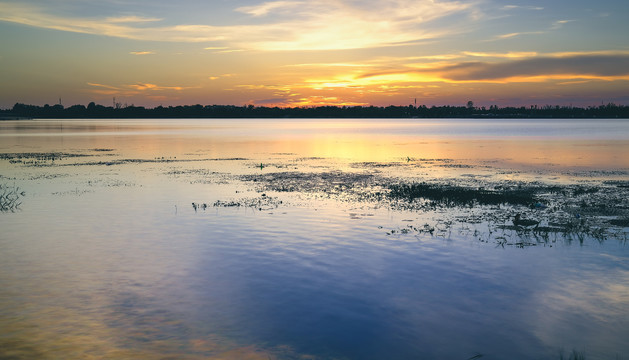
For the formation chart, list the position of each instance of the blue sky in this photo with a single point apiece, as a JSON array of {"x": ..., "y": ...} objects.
[{"x": 297, "y": 53}]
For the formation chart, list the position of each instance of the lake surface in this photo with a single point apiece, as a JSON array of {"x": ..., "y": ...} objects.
[{"x": 290, "y": 239}]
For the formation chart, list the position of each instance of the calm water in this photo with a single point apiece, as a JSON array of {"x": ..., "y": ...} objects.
[{"x": 107, "y": 258}]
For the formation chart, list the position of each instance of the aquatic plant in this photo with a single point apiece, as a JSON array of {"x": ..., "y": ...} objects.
[
  {"x": 10, "y": 197},
  {"x": 51, "y": 156},
  {"x": 261, "y": 203},
  {"x": 519, "y": 221},
  {"x": 620, "y": 222},
  {"x": 451, "y": 195}
]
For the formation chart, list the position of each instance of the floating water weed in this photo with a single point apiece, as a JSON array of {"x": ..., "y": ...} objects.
[
  {"x": 264, "y": 202},
  {"x": 574, "y": 212}
]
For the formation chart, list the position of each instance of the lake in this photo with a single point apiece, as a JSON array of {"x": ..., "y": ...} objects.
[{"x": 314, "y": 239}]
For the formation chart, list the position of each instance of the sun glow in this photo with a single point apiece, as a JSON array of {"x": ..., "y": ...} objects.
[{"x": 297, "y": 53}]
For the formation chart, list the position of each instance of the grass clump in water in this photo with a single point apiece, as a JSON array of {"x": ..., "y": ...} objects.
[
  {"x": 451, "y": 195},
  {"x": 10, "y": 197},
  {"x": 620, "y": 222}
]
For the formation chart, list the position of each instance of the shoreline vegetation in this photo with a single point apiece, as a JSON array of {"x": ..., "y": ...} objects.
[
  {"x": 120, "y": 111},
  {"x": 520, "y": 213}
]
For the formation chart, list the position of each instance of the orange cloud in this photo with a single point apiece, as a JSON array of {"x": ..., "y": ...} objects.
[
  {"x": 606, "y": 67},
  {"x": 103, "y": 86},
  {"x": 307, "y": 102},
  {"x": 267, "y": 7},
  {"x": 153, "y": 87},
  {"x": 509, "y": 55},
  {"x": 131, "y": 19},
  {"x": 134, "y": 89}
]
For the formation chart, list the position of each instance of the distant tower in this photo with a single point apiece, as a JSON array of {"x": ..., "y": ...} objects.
[
  {"x": 59, "y": 101},
  {"x": 415, "y": 102}
]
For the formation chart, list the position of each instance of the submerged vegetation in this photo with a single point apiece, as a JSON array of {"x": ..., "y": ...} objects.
[
  {"x": 504, "y": 213},
  {"x": 36, "y": 158},
  {"x": 93, "y": 110}
]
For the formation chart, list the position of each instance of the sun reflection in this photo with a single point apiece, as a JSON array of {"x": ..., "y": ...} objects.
[{"x": 353, "y": 140}]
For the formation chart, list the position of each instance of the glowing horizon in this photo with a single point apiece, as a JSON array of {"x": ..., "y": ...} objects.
[{"x": 330, "y": 52}]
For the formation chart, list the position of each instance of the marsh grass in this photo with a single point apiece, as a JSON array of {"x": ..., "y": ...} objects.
[
  {"x": 620, "y": 222},
  {"x": 10, "y": 197},
  {"x": 38, "y": 159},
  {"x": 451, "y": 195},
  {"x": 573, "y": 212},
  {"x": 261, "y": 203}
]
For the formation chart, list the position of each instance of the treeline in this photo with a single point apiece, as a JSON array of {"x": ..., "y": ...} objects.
[{"x": 249, "y": 111}]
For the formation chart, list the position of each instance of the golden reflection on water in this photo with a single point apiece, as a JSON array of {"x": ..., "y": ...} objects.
[
  {"x": 348, "y": 141},
  {"x": 55, "y": 331}
]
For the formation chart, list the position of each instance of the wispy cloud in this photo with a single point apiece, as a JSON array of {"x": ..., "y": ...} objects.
[
  {"x": 313, "y": 100},
  {"x": 328, "y": 65},
  {"x": 216, "y": 77},
  {"x": 590, "y": 53},
  {"x": 154, "y": 87},
  {"x": 142, "y": 52},
  {"x": 230, "y": 51},
  {"x": 267, "y": 7},
  {"x": 510, "y": 54},
  {"x": 324, "y": 24},
  {"x": 134, "y": 89},
  {"x": 559, "y": 23},
  {"x": 222, "y": 49},
  {"x": 131, "y": 19},
  {"x": 515, "y": 7},
  {"x": 395, "y": 75},
  {"x": 608, "y": 67},
  {"x": 103, "y": 86},
  {"x": 514, "y": 34},
  {"x": 556, "y": 25},
  {"x": 39, "y": 17}
]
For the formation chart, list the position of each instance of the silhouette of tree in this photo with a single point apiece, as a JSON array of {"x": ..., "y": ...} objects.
[{"x": 94, "y": 110}]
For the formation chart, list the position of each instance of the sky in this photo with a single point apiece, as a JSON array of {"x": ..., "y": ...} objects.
[{"x": 311, "y": 53}]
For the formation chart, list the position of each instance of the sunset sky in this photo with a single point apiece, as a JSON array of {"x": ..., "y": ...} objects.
[{"x": 325, "y": 52}]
